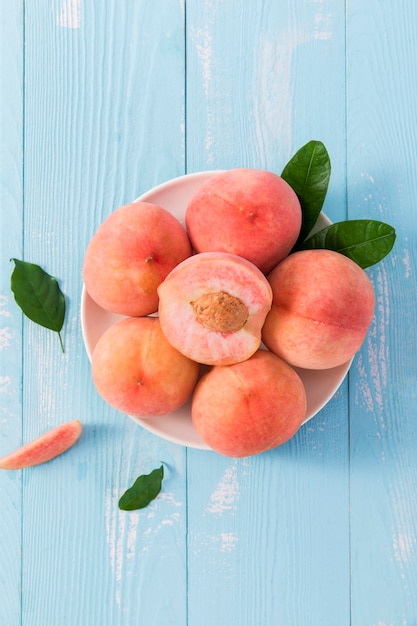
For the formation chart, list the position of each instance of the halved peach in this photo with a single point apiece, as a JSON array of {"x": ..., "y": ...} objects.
[{"x": 212, "y": 307}]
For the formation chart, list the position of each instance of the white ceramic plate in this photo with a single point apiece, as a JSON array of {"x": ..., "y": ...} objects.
[{"x": 174, "y": 195}]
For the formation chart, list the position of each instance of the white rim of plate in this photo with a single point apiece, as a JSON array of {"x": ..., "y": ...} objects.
[{"x": 337, "y": 374}]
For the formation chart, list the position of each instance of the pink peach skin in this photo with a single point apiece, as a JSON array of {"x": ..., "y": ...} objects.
[
  {"x": 323, "y": 304},
  {"x": 44, "y": 448},
  {"x": 138, "y": 372},
  {"x": 249, "y": 212},
  {"x": 247, "y": 408},
  {"x": 212, "y": 273},
  {"x": 130, "y": 255}
]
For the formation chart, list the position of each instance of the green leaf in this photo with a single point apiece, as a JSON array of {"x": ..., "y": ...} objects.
[
  {"x": 308, "y": 173},
  {"x": 38, "y": 295},
  {"x": 364, "y": 241},
  {"x": 143, "y": 491}
]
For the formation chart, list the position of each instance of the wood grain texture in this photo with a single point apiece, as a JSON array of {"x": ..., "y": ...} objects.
[
  {"x": 264, "y": 532},
  {"x": 263, "y": 536},
  {"x": 11, "y": 245},
  {"x": 107, "y": 130},
  {"x": 382, "y": 139},
  {"x": 100, "y": 102}
]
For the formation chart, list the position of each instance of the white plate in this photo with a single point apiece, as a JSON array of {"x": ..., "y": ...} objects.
[{"x": 174, "y": 195}]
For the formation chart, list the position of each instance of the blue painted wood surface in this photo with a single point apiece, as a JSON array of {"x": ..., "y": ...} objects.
[{"x": 100, "y": 102}]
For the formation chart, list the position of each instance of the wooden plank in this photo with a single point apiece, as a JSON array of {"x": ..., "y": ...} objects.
[
  {"x": 269, "y": 535},
  {"x": 11, "y": 215},
  {"x": 104, "y": 122},
  {"x": 382, "y": 134},
  {"x": 276, "y": 539}
]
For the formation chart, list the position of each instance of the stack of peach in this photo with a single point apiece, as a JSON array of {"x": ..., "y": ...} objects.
[{"x": 222, "y": 286}]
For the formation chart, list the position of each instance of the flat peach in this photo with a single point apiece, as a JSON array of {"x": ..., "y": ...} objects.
[
  {"x": 130, "y": 255},
  {"x": 138, "y": 372},
  {"x": 212, "y": 307},
  {"x": 248, "y": 212},
  {"x": 322, "y": 307},
  {"x": 247, "y": 408}
]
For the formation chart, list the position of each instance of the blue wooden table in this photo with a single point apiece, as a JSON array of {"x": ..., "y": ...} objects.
[{"x": 101, "y": 101}]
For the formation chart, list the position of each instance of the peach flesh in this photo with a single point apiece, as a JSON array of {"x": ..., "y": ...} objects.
[
  {"x": 322, "y": 307},
  {"x": 44, "y": 448},
  {"x": 247, "y": 408},
  {"x": 248, "y": 212},
  {"x": 138, "y": 372},
  {"x": 212, "y": 307},
  {"x": 130, "y": 254}
]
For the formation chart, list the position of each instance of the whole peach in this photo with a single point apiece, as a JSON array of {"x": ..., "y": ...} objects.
[
  {"x": 249, "y": 407},
  {"x": 212, "y": 307},
  {"x": 249, "y": 212},
  {"x": 130, "y": 255},
  {"x": 138, "y": 372},
  {"x": 323, "y": 304}
]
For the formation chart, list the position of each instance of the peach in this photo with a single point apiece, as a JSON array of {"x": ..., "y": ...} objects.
[
  {"x": 44, "y": 448},
  {"x": 323, "y": 304},
  {"x": 129, "y": 256},
  {"x": 212, "y": 307},
  {"x": 247, "y": 408},
  {"x": 138, "y": 372},
  {"x": 248, "y": 212}
]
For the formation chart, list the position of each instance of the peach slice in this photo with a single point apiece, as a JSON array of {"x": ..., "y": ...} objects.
[
  {"x": 249, "y": 212},
  {"x": 44, "y": 448},
  {"x": 212, "y": 307},
  {"x": 129, "y": 256},
  {"x": 247, "y": 408},
  {"x": 322, "y": 308},
  {"x": 138, "y": 372}
]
